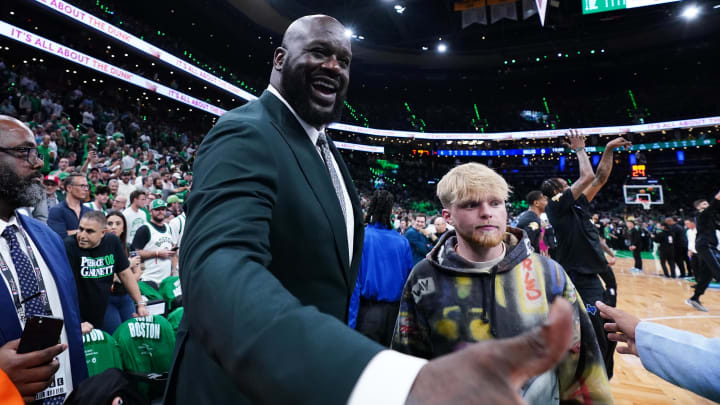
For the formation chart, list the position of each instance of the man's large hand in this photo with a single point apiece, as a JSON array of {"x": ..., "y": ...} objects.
[
  {"x": 576, "y": 140},
  {"x": 622, "y": 329},
  {"x": 30, "y": 372},
  {"x": 492, "y": 372},
  {"x": 619, "y": 142}
]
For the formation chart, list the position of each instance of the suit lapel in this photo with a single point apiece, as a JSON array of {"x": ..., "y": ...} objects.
[{"x": 313, "y": 169}]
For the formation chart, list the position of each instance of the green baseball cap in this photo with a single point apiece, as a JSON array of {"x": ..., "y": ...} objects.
[
  {"x": 157, "y": 204},
  {"x": 174, "y": 199}
]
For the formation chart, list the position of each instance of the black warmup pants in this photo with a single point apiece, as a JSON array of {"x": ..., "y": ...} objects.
[
  {"x": 591, "y": 289},
  {"x": 667, "y": 258},
  {"x": 708, "y": 267},
  {"x": 376, "y": 320},
  {"x": 638, "y": 258},
  {"x": 688, "y": 262},
  {"x": 693, "y": 266},
  {"x": 680, "y": 258}
]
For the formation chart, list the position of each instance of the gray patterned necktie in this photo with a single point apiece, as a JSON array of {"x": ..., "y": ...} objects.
[{"x": 322, "y": 143}]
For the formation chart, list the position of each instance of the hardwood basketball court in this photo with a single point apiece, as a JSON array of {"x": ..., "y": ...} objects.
[{"x": 650, "y": 296}]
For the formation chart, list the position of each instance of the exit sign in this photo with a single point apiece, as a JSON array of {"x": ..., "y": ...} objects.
[{"x": 599, "y": 6}]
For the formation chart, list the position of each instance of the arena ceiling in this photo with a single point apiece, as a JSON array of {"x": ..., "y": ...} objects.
[{"x": 387, "y": 37}]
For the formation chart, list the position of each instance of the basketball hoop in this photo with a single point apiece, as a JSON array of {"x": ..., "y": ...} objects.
[{"x": 645, "y": 203}]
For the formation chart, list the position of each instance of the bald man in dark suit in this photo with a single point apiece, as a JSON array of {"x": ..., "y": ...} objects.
[{"x": 271, "y": 253}]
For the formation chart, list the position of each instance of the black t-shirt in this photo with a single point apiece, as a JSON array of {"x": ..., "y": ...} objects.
[
  {"x": 579, "y": 247},
  {"x": 93, "y": 270},
  {"x": 666, "y": 239},
  {"x": 706, "y": 225},
  {"x": 679, "y": 237},
  {"x": 530, "y": 222},
  {"x": 635, "y": 238}
]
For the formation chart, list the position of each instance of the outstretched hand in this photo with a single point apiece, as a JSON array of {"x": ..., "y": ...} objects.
[
  {"x": 493, "y": 372},
  {"x": 622, "y": 329},
  {"x": 619, "y": 142},
  {"x": 575, "y": 140}
]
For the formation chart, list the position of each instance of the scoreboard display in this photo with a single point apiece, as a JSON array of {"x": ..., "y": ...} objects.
[
  {"x": 599, "y": 6},
  {"x": 638, "y": 172}
]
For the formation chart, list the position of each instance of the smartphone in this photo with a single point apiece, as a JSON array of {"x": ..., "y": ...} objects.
[
  {"x": 40, "y": 333},
  {"x": 175, "y": 248}
]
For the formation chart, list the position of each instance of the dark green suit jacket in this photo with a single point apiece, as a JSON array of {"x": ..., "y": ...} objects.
[{"x": 265, "y": 274}]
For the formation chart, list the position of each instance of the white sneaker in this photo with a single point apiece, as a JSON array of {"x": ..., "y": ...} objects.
[{"x": 696, "y": 304}]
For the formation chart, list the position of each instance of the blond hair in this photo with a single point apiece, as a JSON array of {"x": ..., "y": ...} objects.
[{"x": 471, "y": 181}]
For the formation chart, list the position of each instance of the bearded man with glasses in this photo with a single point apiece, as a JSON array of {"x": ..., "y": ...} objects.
[
  {"x": 64, "y": 218},
  {"x": 35, "y": 278}
]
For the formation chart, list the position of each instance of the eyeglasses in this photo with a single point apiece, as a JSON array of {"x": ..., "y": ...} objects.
[{"x": 31, "y": 154}]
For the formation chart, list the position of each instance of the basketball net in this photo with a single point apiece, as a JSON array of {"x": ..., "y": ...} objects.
[{"x": 645, "y": 204}]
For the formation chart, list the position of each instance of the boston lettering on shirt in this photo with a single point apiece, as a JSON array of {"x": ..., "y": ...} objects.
[{"x": 93, "y": 270}]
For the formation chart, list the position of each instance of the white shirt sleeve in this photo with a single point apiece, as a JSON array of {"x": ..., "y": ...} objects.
[
  {"x": 691, "y": 235},
  {"x": 387, "y": 379}
]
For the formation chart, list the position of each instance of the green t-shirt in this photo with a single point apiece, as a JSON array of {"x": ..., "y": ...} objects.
[
  {"x": 101, "y": 352},
  {"x": 175, "y": 317},
  {"x": 149, "y": 292},
  {"x": 45, "y": 152},
  {"x": 170, "y": 289},
  {"x": 146, "y": 344}
]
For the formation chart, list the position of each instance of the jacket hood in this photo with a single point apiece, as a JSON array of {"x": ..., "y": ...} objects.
[{"x": 517, "y": 246}]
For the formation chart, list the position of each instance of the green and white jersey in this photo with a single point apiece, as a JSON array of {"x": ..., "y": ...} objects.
[
  {"x": 92, "y": 206},
  {"x": 177, "y": 226},
  {"x": 157, "y": 269},
  {"x": 134, "y": 219},
  {"x": 146, "y": 344},
  {"x": 101, "y": 352}
]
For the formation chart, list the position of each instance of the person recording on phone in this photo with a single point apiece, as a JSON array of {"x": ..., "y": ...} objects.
[
  {"x": 155, "y": 243},
  {"x": 36, "y": 278}
]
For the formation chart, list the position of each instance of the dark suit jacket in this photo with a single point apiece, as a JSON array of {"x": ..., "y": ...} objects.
[
  {"x": 419, "y": 244},
  {"x": 53, "y": 253},
  {"x": 265, "y": 275}
]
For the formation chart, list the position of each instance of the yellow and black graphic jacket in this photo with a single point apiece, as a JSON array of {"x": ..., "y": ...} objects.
[{"x": 449, "y": 302}]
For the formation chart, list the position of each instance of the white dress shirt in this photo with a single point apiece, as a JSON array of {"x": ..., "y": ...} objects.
[
  {"x": 388, "y": 377},
  {"x": 50, "y": 289},
  {"x": 691, "y": 236}
]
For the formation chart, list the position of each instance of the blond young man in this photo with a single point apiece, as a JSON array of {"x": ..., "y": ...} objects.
[{"x": 482, "y": 281}]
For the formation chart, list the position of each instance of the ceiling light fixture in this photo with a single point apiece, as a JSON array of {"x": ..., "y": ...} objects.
[{"x": 690, "y": 12}]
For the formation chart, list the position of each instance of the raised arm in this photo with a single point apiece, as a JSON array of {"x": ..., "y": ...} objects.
[
  {"x": 576, "y": 143},
  {"x": 605, "y": 167}
]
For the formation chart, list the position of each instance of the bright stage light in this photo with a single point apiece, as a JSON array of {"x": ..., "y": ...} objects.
[
  {"x": 442, "y": 48},
  {"x": 348, "y": 33},
  {"x": 691, "y": 12}
]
